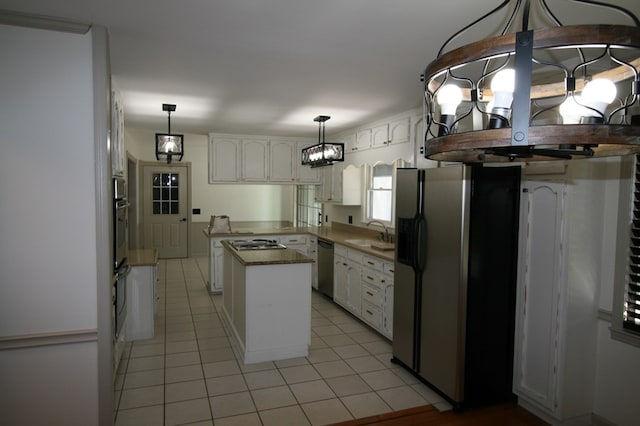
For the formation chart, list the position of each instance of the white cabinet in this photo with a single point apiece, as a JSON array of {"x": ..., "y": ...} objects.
[
  {"x": 141, "y": 302},
  {"x": 354, "y": 284},
  {"x": 394, "y": 132},
  {"x": 363, "y": 284},
  {"x": 255, "y": 154},
  {"x": 118, "y": 156},
  {"x": 282, "y": 156},
  {"x": 312, "y": 252},
  {"x": 340, "y": 286},
  {"x": 248, "y": 159},
  {"x": 349, "y": 141},
  {"x": 305, "y": 174},
  {"x": 555, "y": 318},
  {"x": 300, "y": 243},
  {"x": 341, "y": 185},
  {"x": 347, "y": 270},
  {"x": 224, "y": 159},
  {"x": 216, "y": 265},
  {"x": 387, "y": 303},
  {"x": 363, "y": 140}
]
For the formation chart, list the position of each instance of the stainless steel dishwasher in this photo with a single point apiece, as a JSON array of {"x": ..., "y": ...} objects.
[{"x": 325, "y": 267}]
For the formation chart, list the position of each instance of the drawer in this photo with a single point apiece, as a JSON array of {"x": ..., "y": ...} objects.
[
  {"x": 355, "y": 255},
  {"x": 372, "y": 296},
  {"x": 372, "y": 278},
  {"x": 373, "y": 263},
  {"x": 340, "y": 250},
  {"x": 372, "y": 315},
  {"x": 293, "y": 239}
]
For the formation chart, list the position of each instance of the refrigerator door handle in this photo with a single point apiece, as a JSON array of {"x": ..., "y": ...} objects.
[{"x": 420, "y": 259}]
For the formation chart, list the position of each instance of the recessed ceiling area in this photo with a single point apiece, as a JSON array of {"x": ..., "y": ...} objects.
[{"x": 269, "y": 67}]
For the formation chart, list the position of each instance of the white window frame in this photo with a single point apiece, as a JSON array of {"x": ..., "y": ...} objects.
[
  {"x": 369, "y": 187},
  {"x": 625, "y": 216}
]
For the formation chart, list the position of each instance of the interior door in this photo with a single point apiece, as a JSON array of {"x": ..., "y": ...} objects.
[{"x": 165, "y": 206}]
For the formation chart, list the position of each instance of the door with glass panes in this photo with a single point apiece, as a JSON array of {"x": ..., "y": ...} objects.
[{"x": 165, "y": 199}]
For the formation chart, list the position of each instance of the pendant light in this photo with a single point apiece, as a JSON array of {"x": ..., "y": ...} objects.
[
  {"x": 323, "y": 153},
  {"x": 558, "y": 92},
  {"x": 169, "y": 144}
]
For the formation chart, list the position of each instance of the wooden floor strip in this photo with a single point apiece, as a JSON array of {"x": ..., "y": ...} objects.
[{"x": 504, "y": 414}]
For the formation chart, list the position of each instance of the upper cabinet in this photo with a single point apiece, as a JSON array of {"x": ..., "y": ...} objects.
[
  {"x": 363, "y": 140},
  {"x": 340, "y": 185},
  {"x": 255, "y": 154},
  {"x": 224, "y": 159},
  {"x": 118, "y": 155},
  {"x": 249, "y": 159},
  {"x": 394, "y": 132},
  {"x": 304, "y": 174},
  {"x": 282, "y": 161}
]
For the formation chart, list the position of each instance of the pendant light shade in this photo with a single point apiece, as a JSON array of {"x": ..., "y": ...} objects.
[
  {"x": 560, "y": 92},
  {"x": 323, "y": 153},
  {"x": 169, "y": 144}
]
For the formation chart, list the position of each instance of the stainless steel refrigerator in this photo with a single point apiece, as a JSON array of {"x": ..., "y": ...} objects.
[{"x": 455, "y": 279}]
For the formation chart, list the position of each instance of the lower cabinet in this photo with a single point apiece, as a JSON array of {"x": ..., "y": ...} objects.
[
  {"x": 141, "y": 302},
  {"x": 363, "y": 285}
]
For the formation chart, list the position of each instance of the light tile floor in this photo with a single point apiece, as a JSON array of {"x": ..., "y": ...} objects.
[{"x": 188, "y": 373}]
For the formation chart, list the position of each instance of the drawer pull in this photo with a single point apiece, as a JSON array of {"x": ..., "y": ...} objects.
[
  {"x": 369, "y": 312},
  {"x": 371, "y": 278},
  {"x": 369, "y": 293},
  {"x": 370, "y": 263}
]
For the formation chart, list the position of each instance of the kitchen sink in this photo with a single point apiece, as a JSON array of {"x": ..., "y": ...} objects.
[{"x": 360, "y": 242}]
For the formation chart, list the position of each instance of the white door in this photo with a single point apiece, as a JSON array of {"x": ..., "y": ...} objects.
[{"x": 165, "y": 206}]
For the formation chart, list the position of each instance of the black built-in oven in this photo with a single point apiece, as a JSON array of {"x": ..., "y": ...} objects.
[
  {"x": 121, "y": 268},
  {"x": 120, "y": 212}
]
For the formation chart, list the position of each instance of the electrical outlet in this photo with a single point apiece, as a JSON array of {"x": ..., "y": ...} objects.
[
  {"x": 350, "y": 219},
  {"x": 196, "y": 211}
]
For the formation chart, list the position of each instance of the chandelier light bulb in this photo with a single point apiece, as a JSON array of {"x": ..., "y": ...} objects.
[
  {"x": 598, "y": 94},
  {"x": 503, "y": 86},
  {"x": 449, "y": 97},
  {"x": 571, "y": 110}
]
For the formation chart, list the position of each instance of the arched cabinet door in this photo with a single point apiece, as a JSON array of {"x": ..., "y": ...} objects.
[{"x": 541, "y": 292}]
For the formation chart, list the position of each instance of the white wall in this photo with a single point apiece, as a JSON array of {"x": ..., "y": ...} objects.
[
  {"x": 48, "y": 244},
  {"x": 617, "y": 375},
  {"x": 242, "y": 202}
]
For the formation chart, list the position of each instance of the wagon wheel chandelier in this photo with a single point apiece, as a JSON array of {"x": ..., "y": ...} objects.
[{"x": 557, "y": 93}]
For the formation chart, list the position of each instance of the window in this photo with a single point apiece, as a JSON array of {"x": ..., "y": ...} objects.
[
  {"x": 631, "y": 313},
  {"x": 625, "y": 317},
  {"x": 380, "y": 193},
  {"x": 308, "y": 211},
  {"x": 165, "y": 193}
]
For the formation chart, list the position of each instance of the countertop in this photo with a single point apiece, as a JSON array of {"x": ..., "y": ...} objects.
[
  {"x": 337, "y": 233},
  {"x": 143, "y": 257},
  {"x": 267, "y": 257}
]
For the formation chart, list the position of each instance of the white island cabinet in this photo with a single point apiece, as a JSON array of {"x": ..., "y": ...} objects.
[{"x": 267, "y": 303}]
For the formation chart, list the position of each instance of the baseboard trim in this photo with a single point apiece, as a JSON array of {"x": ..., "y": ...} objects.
[{"x": 48, "y": 339}]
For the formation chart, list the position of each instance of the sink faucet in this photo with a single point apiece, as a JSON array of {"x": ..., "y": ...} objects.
[{"x": 385, "y": 234}]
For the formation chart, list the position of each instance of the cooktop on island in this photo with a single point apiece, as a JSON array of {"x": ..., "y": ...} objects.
[{"x": 257, "y": 244}]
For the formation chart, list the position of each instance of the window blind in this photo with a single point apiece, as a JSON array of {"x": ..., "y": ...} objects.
[{"x": 631, "y": 317}]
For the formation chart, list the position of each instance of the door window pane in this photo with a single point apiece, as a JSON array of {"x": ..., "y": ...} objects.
[{"x": 165, "y": 193}]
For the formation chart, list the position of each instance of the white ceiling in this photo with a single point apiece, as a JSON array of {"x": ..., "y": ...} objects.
[{"x": 271, "y": 66}]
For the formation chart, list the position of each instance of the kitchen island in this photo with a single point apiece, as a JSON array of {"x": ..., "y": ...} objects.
[{"x": 267, "y": 303}]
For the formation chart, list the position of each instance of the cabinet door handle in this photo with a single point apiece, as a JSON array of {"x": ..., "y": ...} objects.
[
  {"x": 370, "y": 263},
  {"x": 369, "y": 293},
  {"x": 371, "y": 278},
  {"x": 369, "y": 312}
]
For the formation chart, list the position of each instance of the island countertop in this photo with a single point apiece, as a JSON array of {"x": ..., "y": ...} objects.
[
  {"x": 338, "y": 233},
  {"x": 267, "y": 257}
]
